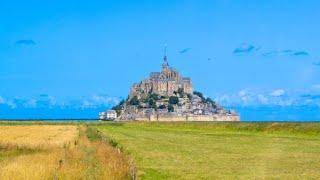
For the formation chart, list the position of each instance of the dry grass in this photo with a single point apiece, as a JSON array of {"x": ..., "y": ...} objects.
[
  {"x": 93, "y": 160},
  {"x": 37, "y": 136},
  {"x": 57, "y": 152}
]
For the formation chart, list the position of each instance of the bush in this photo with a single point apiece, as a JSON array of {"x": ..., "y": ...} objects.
[
  {"x": 173, "y": 100},
  {"x": 118, "y": 107},
  {"x": 154, "y": 97},
  {"x": 134, "y": 101},
  {"x": 203, "y": 99},
  {"x": 189, "y": 96},
  {"x": 180, "y": 92},
  {"x": 162, "y": 107},
  {"x": 170, "y": 108},
  {"x": 151, "y": 102},
  {"x": 210, "y": 101}
]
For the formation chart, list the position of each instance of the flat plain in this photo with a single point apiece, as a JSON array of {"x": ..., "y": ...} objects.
[
  {"x": 154, "y": 150},
  {"x": 57, "y": 151},
  {"x": 220, "y": 150}
]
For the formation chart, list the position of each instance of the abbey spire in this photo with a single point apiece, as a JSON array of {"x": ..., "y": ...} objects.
[{"x": 165, "y": 64}]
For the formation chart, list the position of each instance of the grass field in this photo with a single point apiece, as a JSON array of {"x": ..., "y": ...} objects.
[
  {"x": 42, "y": 150},
  {"x": 220, "y": 150},
  {"x": 32, "y": 151}
]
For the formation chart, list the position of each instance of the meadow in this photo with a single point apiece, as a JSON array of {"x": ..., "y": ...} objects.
[
  {"x": 219, "y": 150},
  {"x": 167, "y": 150}
]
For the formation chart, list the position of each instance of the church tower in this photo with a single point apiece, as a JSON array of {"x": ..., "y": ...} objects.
[{"x": 165, "y": 65}]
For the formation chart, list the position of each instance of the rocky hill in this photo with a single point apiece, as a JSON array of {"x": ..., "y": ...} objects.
[{"x": 166, "y": 96}]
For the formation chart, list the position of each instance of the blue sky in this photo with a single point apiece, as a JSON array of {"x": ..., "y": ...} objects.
[{"x": 88, "y": 53}]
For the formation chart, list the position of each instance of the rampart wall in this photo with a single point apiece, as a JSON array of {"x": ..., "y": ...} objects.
[{"x": 190, "y": 118}]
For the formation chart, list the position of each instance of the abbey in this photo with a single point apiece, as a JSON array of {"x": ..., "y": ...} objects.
[
  {"x": 167, "y": 96},
  {"x": 165, "y": 83}
]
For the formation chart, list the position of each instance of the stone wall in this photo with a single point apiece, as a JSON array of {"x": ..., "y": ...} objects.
[{"x": 190, "y": 118}]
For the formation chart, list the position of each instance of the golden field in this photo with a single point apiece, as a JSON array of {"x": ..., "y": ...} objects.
[
  {"x": 41, "y": 136},
  {"x": 58, "y": 152}
]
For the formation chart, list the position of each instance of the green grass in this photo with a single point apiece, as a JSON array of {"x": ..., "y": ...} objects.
[{"x": 220, "y": 150}]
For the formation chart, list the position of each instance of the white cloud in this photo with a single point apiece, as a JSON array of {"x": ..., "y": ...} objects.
[
  {"x": 98, "y": 100},
  {"x": 87, "y": 104},
  {"x": 52, "y": 100},
  {"x": 7, "y": 102},
  {"x": 2, "y": 100},
  {"x": 243, "y": 92},
  {"x": 224, "y": 100},
  {"x": 31, "y": 103},
  {"x": 11, "y": 104},
  {"x": 263, "y": 99},
  {"x": 316, "y": 86},
  {"x": 278, "y": 93},
  {"x": 256, "y": 97}
]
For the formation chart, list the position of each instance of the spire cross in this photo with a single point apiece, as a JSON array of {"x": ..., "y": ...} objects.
[{"x": 165, "y": 54}]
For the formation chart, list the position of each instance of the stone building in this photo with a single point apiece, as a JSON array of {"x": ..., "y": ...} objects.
[
  {"x": 108, "y": 115},
  {"x": 168, "y": 96},
  {"x": 163, "y": 83}
]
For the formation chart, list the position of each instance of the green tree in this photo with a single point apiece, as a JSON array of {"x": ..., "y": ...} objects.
[
  {"x": 134, "y": 101},
  {"x": 170, "y": 108},
  {"x": 210, "y": 101},
  {"x": 162, "y": 106},
  {"x": 173, "y": 100},
  {"x": 189, "y": 96},
  {"x": 180, "y": 92},
  {"x": 151, "y": 102},
  {"x": 203, "y": 99},
  {"x": 154, "y": 97},
  {"x": 118, "y": 107}
]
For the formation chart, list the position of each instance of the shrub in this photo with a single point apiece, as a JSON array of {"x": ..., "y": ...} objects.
[
  {"x": 210, "y": 101},
  {"x": 162, "y": 106},
  {"x": 203, "y": 99},
  {"x": 154, "y": 97},
  {"x": 170, "y": 108},
  {"x": 173, "y": 100},
  {"x": 118, "y": 107},
  {"x": 189, "y": 96},
  {"x": 151, "y": 102},
  {"x": 134, "y": 101},
  {"x": 180, "y": 92}
]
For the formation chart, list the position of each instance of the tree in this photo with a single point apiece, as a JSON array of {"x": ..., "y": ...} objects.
[
  {"x": 134, "y": 101},
  {"x": 180, "y": 92},
  {"x": 210, "y": 101},
  {"x": 151, "y": 102},
  {"x": 162, "y": 106},
  {"x": 189, "y": 96},
  {"x": 118, "y": 107},
  {"x": 173, "y": 100},
  {"x": 163, "y": 97},
  {"x": 154, "y": 107},
  {"x": 154, "y": 97},
  {"x": 203, "y": 99},
  {"x": 170, "y": 108}
]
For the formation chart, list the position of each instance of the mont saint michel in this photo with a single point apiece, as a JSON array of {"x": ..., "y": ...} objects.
[{"x": 168, "y": 96}]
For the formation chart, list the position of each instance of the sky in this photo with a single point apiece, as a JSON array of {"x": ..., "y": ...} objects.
[{"x": 86, "y": 54}]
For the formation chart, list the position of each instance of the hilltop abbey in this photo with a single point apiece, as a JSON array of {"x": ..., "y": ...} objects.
[
  {"x": 164, "y": 83},
  {"x": 168, "y": 96}
]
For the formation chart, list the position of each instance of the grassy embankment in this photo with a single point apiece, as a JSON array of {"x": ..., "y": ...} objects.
[
  {"x": 220, "y": 150},
  {"x": 32, "y": 151}
]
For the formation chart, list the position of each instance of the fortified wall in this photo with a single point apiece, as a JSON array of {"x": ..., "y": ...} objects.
[{"x": 199, "y": 118}]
